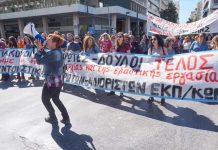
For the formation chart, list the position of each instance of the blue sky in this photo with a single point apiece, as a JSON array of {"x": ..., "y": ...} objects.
[{"x": 186, "y": 6}]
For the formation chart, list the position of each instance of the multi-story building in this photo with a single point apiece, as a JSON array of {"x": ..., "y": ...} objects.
[
  {"x": 196, "y": 14},
  {"x": 154, "y": 7},
  {"x": 164, "y": 5},
  {"x": 77, "y": 16},
  {"x": 209, "y": 6}
]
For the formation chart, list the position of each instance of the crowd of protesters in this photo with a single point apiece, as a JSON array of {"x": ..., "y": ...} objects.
[{"x": 120, "y": 42}]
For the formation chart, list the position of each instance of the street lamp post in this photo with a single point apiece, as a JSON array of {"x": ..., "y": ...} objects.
[
  {"x": 109, "y": 20},
  {"x": 127, "y": 13},
  {"x": 137, "y": 15}
]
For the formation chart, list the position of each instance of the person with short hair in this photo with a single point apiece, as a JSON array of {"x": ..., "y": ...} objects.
[
  {"x": 169, "y": 45},
  {"x": 53, "y": 62},
  {"x": 186, "y": 44},
  {"x": 200, "y": 44},
  {"x": 75, "y": 45}
]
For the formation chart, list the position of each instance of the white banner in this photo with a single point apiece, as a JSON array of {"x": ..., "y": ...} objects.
[
  {"x": 192, "y": 76},
  {"x": 160, "y": 26},
  {"x": 19, "y": 60},
  {"x": 182, "y": 77}
]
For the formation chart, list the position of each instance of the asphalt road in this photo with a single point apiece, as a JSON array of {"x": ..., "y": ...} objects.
[{"x": 103, "y": 122}]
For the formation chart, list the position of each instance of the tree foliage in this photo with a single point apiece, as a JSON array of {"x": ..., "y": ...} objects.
[
  {"x": 170, "y": 14},
  {"x": 190, "y": 20}
]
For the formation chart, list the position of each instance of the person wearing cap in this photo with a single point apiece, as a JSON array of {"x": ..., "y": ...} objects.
[{"x": 53, "y": 62}]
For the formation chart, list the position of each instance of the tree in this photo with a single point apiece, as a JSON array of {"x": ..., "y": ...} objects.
[
  {"x": 190, "y": 20},
  {"x": 170, "y": 14}
]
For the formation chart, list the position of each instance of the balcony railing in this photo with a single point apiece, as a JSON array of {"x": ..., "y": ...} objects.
[{"x": 8, "y": 6}]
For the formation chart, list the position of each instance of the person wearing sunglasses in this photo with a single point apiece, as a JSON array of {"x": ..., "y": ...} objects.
[
  {"x": 200, "y": 44},
  {"x": 105, "y": 43},
  {"x": 121, "y": 47},
  {"x": 75, "y": 45},
  {"x": 157, "y": 49}
]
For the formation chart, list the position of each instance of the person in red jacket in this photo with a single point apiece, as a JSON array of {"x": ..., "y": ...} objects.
[{"x": 105, "y": 43}]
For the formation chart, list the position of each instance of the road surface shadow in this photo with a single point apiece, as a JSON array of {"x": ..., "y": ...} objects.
[
  {"x": 12, "y": 82},
  {"x": 185, "y": 116},
  {"x": 69, "y": 140}
]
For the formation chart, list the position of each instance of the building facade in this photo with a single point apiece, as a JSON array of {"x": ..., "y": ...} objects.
[
  {"x": 77, "y": 16},
  {"x": 197, "y": 13},
  {"x": 155, "y": 6},
  {"x": 208, "y": 7}
]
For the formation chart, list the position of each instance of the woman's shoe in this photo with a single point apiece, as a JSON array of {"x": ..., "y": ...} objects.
[
  {"x": 162, "y": 101},
  {"x": 65, "y": 121}
]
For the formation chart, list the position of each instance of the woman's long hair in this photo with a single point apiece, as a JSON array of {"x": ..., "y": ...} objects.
[
  {"x": 12, "y": 43},
  {"x": 30, "y": 42},
  {"x": 85, "y": 43},
  {"x": 120, "y": 34},
  {"x": 160, "y": 41}
]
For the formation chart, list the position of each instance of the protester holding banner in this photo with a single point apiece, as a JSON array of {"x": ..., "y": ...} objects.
[
  {"x": 169, "y": 41},
  {"x": 200, "y": 44},
  {"x": 89, "y": 45},
  {"x": 53, "y": 62},
  {"x": 208, "y": 40},
  {"x": 74, "y": 43},
  {"x": 144, "y": 44},
  {"x": 113, "y": 41},
  {"x": 176, "y": 45},
  {"x": 134, "y": 45},
  {"x": 3, "y": 46},
  {"x": 157, "y": 49},
  {"x": 105, "y": 43},
  {"x": 186, "y": 44},
  {"x": 157, "y": 46},
  {"x": 20, "y": 42},
  {"x": 122, "y": 47},
  {"x": 12, "y": 43},
  {"x": 215, "y": 43},
  {"x": 28, "y": 45},
  {"x": 70, "y": 39},
  {"x": 126, "y": 38}
]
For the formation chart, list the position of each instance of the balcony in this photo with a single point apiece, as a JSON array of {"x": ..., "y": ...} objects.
[{"x": 7, "y": 6}]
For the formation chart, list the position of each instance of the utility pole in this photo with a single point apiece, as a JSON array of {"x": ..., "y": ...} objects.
[
  {"x": 109, "y": 20},
  {"x": 137, "y": 15}
]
